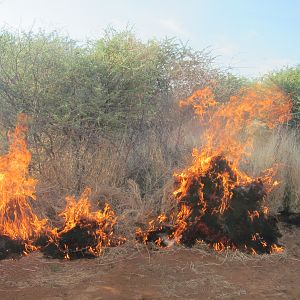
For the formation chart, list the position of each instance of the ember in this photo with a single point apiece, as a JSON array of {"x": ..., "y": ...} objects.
[
  {"x": 217, "y": 202},
  {"x": 85, "y": 233}
]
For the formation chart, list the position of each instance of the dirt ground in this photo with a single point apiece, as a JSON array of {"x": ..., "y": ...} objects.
[{"x": 133, "y": 272}]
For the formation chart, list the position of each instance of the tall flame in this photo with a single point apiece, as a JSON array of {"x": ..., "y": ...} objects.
[
  {"x": 217, "y": 202},
  {"x": 17, "y": 220},
  {"x": 229, "y": 130}
]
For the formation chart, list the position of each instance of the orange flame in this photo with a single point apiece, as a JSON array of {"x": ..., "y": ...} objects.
[
  {"x": 219, "y": 247},
  {"x": 277, "y": 249},
  {"x": 17, "y": 220},
  {"x": 99, "y": 224},
  {"x": 229, "y": 130}
]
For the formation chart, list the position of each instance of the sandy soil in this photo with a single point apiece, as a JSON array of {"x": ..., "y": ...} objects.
[{"x": 178, "y": 273}]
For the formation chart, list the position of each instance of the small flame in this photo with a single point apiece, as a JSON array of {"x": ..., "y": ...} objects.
[
  {"x": 253, "y": 214},
  {"x": 84, "y": 232},
  {"x": 276, "y": 249},
  {"x": 219, "y": 247}
]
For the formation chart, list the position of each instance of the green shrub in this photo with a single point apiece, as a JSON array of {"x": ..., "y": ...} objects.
[
  {"x": 116, "y": 95},
  {"x": 289, "y": 80}
]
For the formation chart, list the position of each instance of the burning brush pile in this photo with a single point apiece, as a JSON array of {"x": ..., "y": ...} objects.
[
  {"x": 216, "y": 202},
  {"x": 19, "y": 226},
  {"x": 84, "y": 233}
]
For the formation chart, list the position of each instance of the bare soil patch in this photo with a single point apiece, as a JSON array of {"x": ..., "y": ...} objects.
[{"x": 133, "y": 272}]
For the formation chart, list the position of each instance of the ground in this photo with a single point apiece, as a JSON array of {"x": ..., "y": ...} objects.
[{"x": 133, "y": 272}]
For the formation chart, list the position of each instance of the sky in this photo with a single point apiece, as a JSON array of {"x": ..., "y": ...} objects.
[{"x": 251, "y": 37}]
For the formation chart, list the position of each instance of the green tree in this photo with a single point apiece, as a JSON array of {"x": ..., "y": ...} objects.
[
  {"x": 117, "y": 88},
  {"x": 289, "y": 80}
]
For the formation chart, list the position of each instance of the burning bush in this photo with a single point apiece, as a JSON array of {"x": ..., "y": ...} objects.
[
  {"x": 19, "y": 226},
  {"x": 85, "y": 233},
  {"x": 216, "y": 201}
]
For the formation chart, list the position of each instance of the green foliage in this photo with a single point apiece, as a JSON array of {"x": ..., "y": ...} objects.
[
  {"x": 289, "y": 80},
  {"x": 112, "y": 84},
  {"x": 116, "y": 88}
]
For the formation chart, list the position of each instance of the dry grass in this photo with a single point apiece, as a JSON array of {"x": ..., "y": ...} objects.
[
  {"x": 279, "y": 148},
  {"x": 137, "y": 182}
]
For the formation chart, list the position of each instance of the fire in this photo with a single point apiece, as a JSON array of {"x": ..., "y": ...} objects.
[
  {"x": 17, "y": 220},
  {"x": 85, "y": 233},
  {"x": 230, "y": 125},
  {"x": 216, "y": 201},
  {"x": 276, "y": 248},
  {"x": 219, "y": 247}
]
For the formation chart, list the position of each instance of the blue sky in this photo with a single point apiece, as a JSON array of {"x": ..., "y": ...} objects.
[{"x": 253, "y": 37}]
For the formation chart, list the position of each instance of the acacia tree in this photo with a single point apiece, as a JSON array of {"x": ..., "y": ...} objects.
[{"x": 116, "y": 88}]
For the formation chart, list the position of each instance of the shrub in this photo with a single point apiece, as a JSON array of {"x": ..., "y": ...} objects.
[
  {"x": 289, "y": 80},
  {"x": 104, "y": 111}
]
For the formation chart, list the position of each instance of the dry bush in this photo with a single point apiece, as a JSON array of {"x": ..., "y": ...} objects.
[
  {"x": 104, "y": 114},
  {"x": 279, "y": 148},
  {"x": 135, "y": 178}
]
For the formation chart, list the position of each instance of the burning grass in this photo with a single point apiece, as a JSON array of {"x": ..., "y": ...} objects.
[{"x": 216, "y": 201}]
